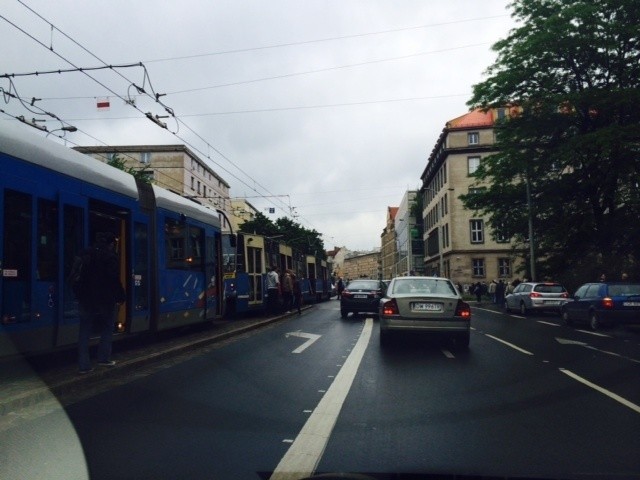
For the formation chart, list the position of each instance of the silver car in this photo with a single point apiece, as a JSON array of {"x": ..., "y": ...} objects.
[
  {"x": 540, "y": 296},
  {"x": 424, "y": 304}
]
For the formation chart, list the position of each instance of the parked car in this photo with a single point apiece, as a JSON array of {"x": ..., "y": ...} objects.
[
  {"x": 361, "y": 295},
  {"x": 604, "y": 304},
  {"x": 424, "y": 304},
  {"x": 538, "y": 296}
]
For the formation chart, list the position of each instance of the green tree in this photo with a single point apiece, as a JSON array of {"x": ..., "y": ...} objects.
[
  {"x": 570, "y": 77},
  {"x": 289, "y": 232},
  {"x": 120, "y": 164}
]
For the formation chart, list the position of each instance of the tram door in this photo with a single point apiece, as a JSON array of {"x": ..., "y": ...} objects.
[
  {"x": 254, "y": 270},
  {"x": 104, "y": 218}
]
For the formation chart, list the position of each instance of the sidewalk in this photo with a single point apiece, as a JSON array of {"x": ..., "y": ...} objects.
[{"x": 26, "y": 382}]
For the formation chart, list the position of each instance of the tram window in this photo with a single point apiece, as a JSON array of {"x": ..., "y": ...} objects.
[
  {"x": 47, "y": 240},
  {"x": 17, "y": 235},
  {"x": 175, "y": 243},
  {"x": 196, "y": 239},
  {"x": 16, "y": 241}
]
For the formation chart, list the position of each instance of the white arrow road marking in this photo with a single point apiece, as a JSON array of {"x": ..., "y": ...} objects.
[
  {"x": 311, "y": 336},
  {"x": 565, "y": 341},
  {"x": 303, "y": 456}
]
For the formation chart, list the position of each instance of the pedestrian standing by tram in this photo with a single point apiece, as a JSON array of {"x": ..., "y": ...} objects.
[
  {"x": 287, "y": 290},
  {"x": 340, "y": 287},
  {"x": 273, "y": 290},
  {"x": 96, "y": 282},
  {"x": 297, "y": 293}
]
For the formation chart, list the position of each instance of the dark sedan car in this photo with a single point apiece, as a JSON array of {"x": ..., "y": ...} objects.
[
  {"x": 604, "y": 304},
  {"x": 361, "y": 295}
]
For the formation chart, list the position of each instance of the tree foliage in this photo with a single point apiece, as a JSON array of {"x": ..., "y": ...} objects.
[
  {"x": 570, "y": 75},
  {"x": 289, "y": 232},
  {"x": 121, "y": 164}
]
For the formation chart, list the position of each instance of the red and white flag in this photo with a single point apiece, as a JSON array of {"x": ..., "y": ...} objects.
[{"x": 103, "y": 103}]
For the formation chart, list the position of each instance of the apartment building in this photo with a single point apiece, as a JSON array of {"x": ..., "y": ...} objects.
[
  {"x": 173, "y": 167},
  {"x": 389, "y": 251},
  {"x": 459, "y": 243}
]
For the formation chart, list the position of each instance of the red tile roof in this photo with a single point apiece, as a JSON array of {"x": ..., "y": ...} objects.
[{"x": 475, "y": 118}]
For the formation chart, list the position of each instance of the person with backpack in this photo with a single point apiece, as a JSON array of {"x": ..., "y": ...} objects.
[{"x": 96, "y": 283}]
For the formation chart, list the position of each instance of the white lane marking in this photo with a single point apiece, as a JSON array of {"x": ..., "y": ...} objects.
[
  {"x": 593, "y": 333},
  {"x": 548, "y": 323},
  {"x": 566, "y": 341},
  {"x": 447, "y": 353},
  {"x": 303, "y": 456},
  {"x": 312, "y": 337},
  {"x": 509, "y": 344},
  {"x": 608, "y": 393}
]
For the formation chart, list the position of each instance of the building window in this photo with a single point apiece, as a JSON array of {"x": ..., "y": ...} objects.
[
  {"x": 478, "y": 267},
  {"x": 473, "y": 163},
  {"x": 145, "y": 157},
  {"x": 477, "y": 231},
  {"x": 501, "y": 234},
  {"x": 504, "y": 267},
  {"x": 193, "y": 183},
  {"x": 474, "y": 138}
]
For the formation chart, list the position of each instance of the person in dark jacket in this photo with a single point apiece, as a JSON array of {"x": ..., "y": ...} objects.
[{"x": 99, "y": 293}]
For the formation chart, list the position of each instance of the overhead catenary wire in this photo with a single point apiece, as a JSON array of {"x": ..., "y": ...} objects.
[{"x": 284, "y": 207}]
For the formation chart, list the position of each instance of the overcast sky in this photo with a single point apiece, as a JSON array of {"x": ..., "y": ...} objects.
[{"x": 327, "y": 110}]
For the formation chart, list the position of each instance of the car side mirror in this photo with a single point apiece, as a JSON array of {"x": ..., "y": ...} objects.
[{"x": 576, "y": 297}]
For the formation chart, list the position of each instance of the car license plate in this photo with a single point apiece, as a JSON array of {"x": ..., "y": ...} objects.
[
  {"x": 426, "y": 307},
  {"x": 631, "y": 304},
  {"x": 359, "y": 296},
  {"x": 552, "y": 302}
]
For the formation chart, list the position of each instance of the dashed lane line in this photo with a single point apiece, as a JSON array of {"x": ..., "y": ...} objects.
[{"x": 515, "y": 347}]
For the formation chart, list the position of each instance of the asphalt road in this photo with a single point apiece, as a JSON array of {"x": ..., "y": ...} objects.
[{"x": 316, "y": 393}]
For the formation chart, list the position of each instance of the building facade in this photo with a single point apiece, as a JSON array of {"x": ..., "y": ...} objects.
[
  {"x": 458, "y": 243},
  {"x": 388, "y": 250},
  {"x": 362, "y": 265},
  {"x": 175, "y": 168}
]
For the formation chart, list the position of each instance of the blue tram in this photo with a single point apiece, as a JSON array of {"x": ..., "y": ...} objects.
[{"x": 53, "y": 202}]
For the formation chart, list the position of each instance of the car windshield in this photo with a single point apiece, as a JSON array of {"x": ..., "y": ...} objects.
[{"x": 422, "y": 286}]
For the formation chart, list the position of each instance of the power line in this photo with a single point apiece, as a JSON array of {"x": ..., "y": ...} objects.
[{"x": 327, "y": 39}]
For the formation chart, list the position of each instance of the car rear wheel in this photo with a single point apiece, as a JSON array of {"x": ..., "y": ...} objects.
[
  {"x": 462, "y": 340},
  {"x": 594, "y": 322},
  {"x": 506, "y": 306},
  {"x": 384, "y": 337},
  {"x": 344, "y": 313},
  {"x": 523, "y": 309},
  {"x": 565, "y": 318}
]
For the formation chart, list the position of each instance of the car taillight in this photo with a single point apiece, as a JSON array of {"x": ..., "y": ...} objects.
[
  {"x": 347, "y": 293},
  {"x": 564, "y": 295},
  {"x": 607, "y": 302},
  {"x": 463, "y": 310},
  {"x": 534, "y": 295},
  {"x": 390, "y": 307}
]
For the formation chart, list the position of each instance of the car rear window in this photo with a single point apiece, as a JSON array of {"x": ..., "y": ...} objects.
[
  {"x": 424, "y": 286},
  {"x": 363, "y": 285},
  {"x": 549, "y": 288},
  {"x": 624, "y": 290}
]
